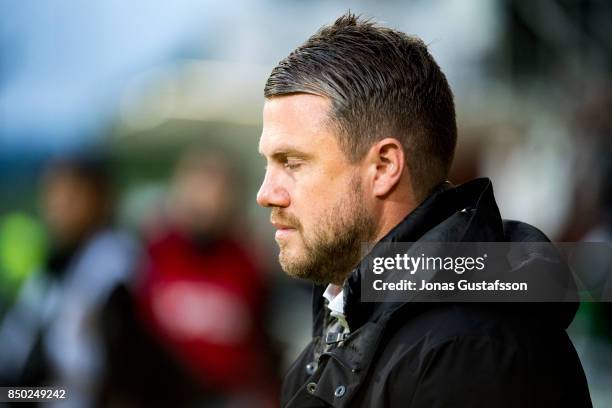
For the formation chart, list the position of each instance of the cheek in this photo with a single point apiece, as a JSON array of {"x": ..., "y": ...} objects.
[
  {"x": 306, "y": 198},
  {"x": 316, "y": 204}
]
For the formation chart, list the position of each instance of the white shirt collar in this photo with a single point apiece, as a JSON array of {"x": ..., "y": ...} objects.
[{"x": 335, "y": 298}]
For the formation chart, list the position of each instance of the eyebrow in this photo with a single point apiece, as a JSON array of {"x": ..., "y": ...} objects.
[{"x": 283, "y": 153}]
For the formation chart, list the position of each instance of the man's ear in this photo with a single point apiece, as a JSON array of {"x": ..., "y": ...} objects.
[{"x": 387, "y": 164}]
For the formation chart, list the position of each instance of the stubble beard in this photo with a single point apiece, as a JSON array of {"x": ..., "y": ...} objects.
[{"x": 335, "y": 247}]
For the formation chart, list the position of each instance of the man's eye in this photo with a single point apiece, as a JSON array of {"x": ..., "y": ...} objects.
[{"x": 292, "y": 165}]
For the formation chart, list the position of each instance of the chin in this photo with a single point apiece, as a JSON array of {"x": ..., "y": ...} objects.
[{"x": 288, "y": 260}]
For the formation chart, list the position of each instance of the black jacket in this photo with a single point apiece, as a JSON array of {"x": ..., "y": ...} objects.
[{"x": 444, "y": 354}]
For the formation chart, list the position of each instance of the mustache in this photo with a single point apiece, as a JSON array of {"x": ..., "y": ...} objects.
[{"x": 279, "y": 217}]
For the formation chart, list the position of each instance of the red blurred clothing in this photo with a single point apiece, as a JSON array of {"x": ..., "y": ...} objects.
[{"x": 205, "y": 304}]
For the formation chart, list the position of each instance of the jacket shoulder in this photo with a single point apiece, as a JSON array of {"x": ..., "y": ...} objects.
[
  {"x": 518, "y": 231},
  {"x": 461, "y": 355}
]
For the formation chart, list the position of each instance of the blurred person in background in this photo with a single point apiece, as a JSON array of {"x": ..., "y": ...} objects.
[
  {"x": 201, "y": 294},
  {"x": 52, "y": 334}
]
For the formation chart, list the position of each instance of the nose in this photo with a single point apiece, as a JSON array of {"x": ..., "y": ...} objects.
[{"x": 271, "y": 193}]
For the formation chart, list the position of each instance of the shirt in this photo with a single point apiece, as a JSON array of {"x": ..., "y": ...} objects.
[{"x": 335, "y": 303}]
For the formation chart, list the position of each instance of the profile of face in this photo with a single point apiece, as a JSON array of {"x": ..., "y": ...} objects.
[
  {"x": 201, "y": 193},
  {"x": 316, "y": 195},
  {"x": 71, "y": 205}
]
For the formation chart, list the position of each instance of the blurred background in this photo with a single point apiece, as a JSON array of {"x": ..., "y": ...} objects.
[{"x": 135, "y": 266}]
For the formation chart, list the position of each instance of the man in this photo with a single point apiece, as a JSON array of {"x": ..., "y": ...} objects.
[
  {"x": 200, "y": 292},
  {"x": 359, "y": 134},
  {"x": 54, "y": 334}
]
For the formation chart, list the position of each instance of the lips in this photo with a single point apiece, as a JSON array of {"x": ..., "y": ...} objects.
[
  {"x": 283, "y": 231},
  {"x": 280, "y": 226}
]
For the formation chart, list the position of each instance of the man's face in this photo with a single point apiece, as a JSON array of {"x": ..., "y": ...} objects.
[
  {"x": 70, "y": 206},
  {"x": 316, "y": 194},
  {"x": 200, "y": 200}
]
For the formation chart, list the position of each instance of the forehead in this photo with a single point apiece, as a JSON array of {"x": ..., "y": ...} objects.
[{"x": 296, "y": 122}]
